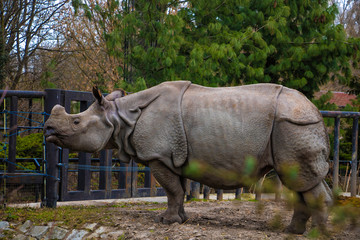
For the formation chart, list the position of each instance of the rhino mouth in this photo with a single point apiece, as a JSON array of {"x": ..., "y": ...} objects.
[{"x": 51, "y": 135}]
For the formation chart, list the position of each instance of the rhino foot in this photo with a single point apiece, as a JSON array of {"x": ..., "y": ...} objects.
[
  {"x": 167, "y": 218},
  {"x": 295, "y": 229}
]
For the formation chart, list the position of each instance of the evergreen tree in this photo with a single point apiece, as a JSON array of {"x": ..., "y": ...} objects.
[{"x": 295, "y": 43}]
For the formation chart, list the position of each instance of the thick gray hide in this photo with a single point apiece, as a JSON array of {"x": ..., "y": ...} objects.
[
  {"x": 221, "y": 127},
  {"x": 224, "y": 126}
]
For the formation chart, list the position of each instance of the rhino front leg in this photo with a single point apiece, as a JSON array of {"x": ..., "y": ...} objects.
[{"x": 175, "y": 190}]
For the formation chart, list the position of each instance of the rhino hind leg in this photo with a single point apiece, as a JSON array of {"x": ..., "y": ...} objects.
[
  {"x": 300, "y": 217},
  {"x": 314, "y": 203},
  {"x": 318, "y": 200},
  {"x": 174, "y": 187},
  {"x": 300, "y": 154}
]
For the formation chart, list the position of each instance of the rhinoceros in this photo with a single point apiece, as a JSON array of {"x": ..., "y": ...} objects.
[{"x": 186, "y": 131}]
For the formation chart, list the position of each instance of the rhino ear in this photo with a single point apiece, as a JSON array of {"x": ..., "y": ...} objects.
[
  {"x": 97, "y": 94},
  {"x": 116, "y": 94}
]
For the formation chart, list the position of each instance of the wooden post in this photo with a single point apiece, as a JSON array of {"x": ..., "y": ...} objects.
[
  {"x": 195, "y": 190},
  {"x": 220, "y": 194},
  {"x": 128, "y": 180},
  {"x": 355, "y": 136},
  {"x": 105, "y": 172},
  {"x": 258, "y": 189},
  {"x": 336, "y": 153},
  {"x": 206, "y": 192},
  {"x": 13, "y": 134},
  {"x": 53, "y": 97},
  {"x": 238, "y": 192},
  {"x": 134, "y": 178}
]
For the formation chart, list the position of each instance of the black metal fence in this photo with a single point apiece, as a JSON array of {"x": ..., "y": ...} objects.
[{"x": 61, "y": 176}]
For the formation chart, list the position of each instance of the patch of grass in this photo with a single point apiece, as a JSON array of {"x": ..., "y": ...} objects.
[
  {"x": 156, "y": 209},
  {"x": 197, "y": 200},
  {"x": 7, "y": 235},
  {"x": 346, "y": 212},
  {"x": 69, "y": 215},
  {"x": 247, "y": 197},
  {"x": 276, "y": 222},
  {"x": 122, "y": 237},
  {"x": 314, "y": 233}
]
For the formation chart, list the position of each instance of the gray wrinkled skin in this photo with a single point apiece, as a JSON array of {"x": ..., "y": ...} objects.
[{"x": 182, "y": 130}]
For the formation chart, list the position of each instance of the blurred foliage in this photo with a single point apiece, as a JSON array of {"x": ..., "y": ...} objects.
[
  {"x": 295, "y": 43},
  {"x": 346, "y": 212},
  {"x": 28, "y": 146}
]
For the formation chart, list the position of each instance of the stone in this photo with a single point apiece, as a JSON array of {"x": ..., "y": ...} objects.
[
  {"x": 142, "y": 235},
  {"x": 39, "y": 231},
  {"x": 90, "y": 226},
  {"x": 77, "y": 234},
  {"x": 114, "y": 235},
  {"x": 4, "y": 225},
  {"x": 93, "y": 236},
  {"x": 26, "y": 226},
  {"x": 102, "y": 229},
  {"x": 57, "y": 233},
  {"x": 20, "y": 237}
]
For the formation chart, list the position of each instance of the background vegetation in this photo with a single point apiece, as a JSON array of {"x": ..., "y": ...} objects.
[
  {"x": 138, "y": 44},
  {"x": 74, "y": 44}
]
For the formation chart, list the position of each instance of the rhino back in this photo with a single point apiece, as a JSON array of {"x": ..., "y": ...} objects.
[{"x": 225, "y": 125}]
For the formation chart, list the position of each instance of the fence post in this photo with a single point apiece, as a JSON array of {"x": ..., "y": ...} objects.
[
  {"x": 13, "y": 133},
  {"x": 258, "y": 188},
  {"x": 53, "y": 97},
  {"x": 220, "y": 194},
  {"x": 238, "y": 192},
  {"x": 105, "y": 172},
  {"x": 336, "y": 153},
  {"x": 194, "y": 190},
  {"x": 206, "y": 192},
  {"x": 355, "y": 135},
  {"x": 133, "y": 178}
]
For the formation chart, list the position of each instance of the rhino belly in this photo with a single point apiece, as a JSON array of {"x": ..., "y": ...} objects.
[{"x": 223, "y": 133}]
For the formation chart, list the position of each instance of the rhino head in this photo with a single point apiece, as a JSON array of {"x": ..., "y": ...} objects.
[{"x": 88, "y": 131}]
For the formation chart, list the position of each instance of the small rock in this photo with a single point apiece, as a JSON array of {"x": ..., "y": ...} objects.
[
  {"x": 101, "y": 230},
  {"x": 141, "y": 235},
  {"x": 38, "y": 231},
  {"x": 57, "y": 233},
  {"x": 113, "y": 235},
  {"x": 25, "y": 227},
  {"x": 90, "y": 226},
  {"x": 4, "y": 225},
  {"x": 93, "y": 236},
  {"x": 20, "y": 237},
  {"x": 77, "y": 234}
]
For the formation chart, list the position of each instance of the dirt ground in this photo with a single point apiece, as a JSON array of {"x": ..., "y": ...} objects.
[{"x": 219, "y": 220}]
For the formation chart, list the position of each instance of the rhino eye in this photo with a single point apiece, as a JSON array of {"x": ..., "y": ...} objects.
[{"x": 76, "y": 121}]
